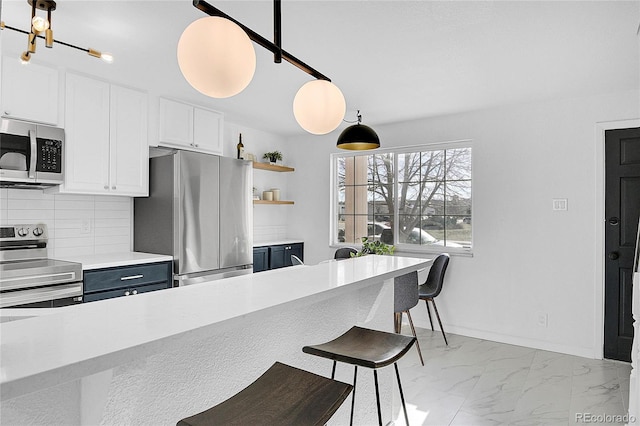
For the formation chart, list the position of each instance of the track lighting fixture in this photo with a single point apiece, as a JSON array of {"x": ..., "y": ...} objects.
[
  {"x": 39, "y": 25},
  {"x": 216, "y": 57},
  {"x": 358, "y": 137}
]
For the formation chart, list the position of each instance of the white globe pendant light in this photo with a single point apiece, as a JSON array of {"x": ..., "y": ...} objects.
[
  {"x": 319, "y": 107},
  {"x": 216, "y": 57}
]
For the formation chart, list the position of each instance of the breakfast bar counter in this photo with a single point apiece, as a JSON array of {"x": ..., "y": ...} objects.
[{"x": 157, "y": 357}]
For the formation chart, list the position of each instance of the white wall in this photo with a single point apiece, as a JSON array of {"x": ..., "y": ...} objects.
[
  {"x": 270, "y": 222},
  {"x": 527, "y": 258},
  {"x": 77, "y": 224}
]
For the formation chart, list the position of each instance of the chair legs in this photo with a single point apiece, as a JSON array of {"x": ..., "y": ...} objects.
[
  {"x": 426, "y": 302},
  {"x": 375, "y": 379},
  {"x": 437, "y": 316},
  {"x": 398, "y": 329}
]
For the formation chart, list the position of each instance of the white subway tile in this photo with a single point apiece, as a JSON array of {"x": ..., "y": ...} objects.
[
  {"x": 74, "y": 205},
  {"x": 113, "y": 199},
  {"x": 112, "y": 205},
  {"x": 62, "y": 253},
  {"x": 75, "y": 242},
  {"x": 111, "y": 240},
  {"x": 112, "y": 214},
  {"x": 68, "y": 223},
  {"x": 113, "y": 248},
  {"x": 29, "y": 204},
  {"x": 74, "y": 214},
  {"x": 113, "y": 223},
  {"x": 27, "y": 216},
  {"x": 74, "y": 197},
  {"x": 73, "y": 233},
  {"x": 119, "y": 231},
  {"x": 28, "y": 194}
]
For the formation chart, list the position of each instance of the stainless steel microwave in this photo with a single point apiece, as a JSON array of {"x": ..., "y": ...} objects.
[{"x": 31, "y": 155}]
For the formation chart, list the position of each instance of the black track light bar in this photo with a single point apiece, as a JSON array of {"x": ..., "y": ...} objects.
[
  {"x": 275, "y": 48},
  {"x": 42, "y": 37}
]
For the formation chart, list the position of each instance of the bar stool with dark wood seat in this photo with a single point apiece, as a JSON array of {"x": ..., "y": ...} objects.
[
  {"x": 283, "y": 395},
  {"x": 366, "y": 348}
]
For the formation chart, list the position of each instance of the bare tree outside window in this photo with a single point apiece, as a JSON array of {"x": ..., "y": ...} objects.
[{"x": 432, "y": 189}]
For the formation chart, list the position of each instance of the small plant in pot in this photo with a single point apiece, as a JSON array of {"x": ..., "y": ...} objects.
[
  {"x": 273, "y": 156},
  {"x": 373, "y": 247}
]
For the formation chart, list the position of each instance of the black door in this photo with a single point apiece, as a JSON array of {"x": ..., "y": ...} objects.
[{"x": 622, "y": 209}]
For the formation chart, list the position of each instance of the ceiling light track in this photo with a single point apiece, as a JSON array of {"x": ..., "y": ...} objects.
[{"x": 275, "y": 48}]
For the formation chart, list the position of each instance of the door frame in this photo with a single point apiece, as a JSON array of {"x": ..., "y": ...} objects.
[{"x": 599, "y": 280}]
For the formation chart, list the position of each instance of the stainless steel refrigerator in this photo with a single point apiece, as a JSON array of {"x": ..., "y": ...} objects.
[{"x": 200, "y": 211}]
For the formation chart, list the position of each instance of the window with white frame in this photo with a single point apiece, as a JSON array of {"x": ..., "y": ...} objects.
[{"x": 416, "y": 198}]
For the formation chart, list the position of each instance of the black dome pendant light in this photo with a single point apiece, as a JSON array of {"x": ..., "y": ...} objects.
[{"x": 358, "y": 137}]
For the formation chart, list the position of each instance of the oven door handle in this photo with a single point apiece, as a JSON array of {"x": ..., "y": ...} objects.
[
  {"x": 15, "y": 298},
  {"x": 34, "y": 151}
]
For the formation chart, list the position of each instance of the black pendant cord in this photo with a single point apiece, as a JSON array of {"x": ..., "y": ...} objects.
[
  {"x": 277, "y": 30},
  {"x": 257, "y": 38},
  {"x": 42, "y": 37}
]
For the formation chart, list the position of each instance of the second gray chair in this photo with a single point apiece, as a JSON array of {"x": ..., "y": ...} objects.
[
  {"x": 344, "y": 253},
  {"x": 405, "y": 297},
  {"x": 432, "y": 287}
]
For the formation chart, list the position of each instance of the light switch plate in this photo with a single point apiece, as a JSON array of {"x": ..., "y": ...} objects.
[{"x": 560, "y": 204}]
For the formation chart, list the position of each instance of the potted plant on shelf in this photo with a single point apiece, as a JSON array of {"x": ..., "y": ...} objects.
[
  {"x": 373, "y": 247},
  {"x": 273, "y": 156}
]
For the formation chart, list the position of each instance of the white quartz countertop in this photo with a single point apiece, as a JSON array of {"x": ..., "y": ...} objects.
[
  {"x": 277, "y": 242},
  {"x": 80, "y": 340},
  {"x": 110, "y": 260}
]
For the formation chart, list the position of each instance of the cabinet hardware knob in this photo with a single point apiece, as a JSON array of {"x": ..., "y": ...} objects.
[
  {"x": 106, "y": 187},
  {"x": 614, "y": 221},
  {"x": 614, "y": 255},
  {"x": 126, "y": 293},
  {"x": 134, "y": 292},
  {"x": 113, "y": 187}
]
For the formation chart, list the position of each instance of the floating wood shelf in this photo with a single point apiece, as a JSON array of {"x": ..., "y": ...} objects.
[
  {"x": 272, "y": 167},
  {"x": 271, "y": 202}
]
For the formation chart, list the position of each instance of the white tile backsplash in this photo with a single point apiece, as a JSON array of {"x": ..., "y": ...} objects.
[{"x": 77, "y": 224}]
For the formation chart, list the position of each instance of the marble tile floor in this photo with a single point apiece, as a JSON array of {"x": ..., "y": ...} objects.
[{"x": 478, "y": 382}]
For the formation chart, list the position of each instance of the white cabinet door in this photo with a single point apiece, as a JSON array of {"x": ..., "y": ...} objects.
[
  {"x": 176, "y": 123},
  {"x": 129, "y": 159},
  {"x": 207, "y": 130},
  {"x": 86, "y": 135},
  {"x": 29, "y": 91}
]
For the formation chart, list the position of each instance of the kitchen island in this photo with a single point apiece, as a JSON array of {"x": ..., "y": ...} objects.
[{"x": 158, "y": 357}]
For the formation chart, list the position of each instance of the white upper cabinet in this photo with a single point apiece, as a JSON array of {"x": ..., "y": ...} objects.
[
  {"x": 29, "y": 91},
  {"x": 190, "y": 127},
  {"x": 106, "y": 138},
  {"x": 129, "y": 154}
]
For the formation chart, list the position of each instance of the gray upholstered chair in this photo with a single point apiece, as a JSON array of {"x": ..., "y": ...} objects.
[
  {"x": 432, "y": 287},
  {"x": 344, "y": 253},
  {"x": 405, "y": 297}
]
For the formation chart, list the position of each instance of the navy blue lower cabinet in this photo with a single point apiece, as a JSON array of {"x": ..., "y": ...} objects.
[
  {"x": 276, "y": 256},
  {"x": 260, "y": 259},
  {"x": 107, "y": 283}
]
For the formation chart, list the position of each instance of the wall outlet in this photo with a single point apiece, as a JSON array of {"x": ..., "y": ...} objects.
[
  {"x": 560, "y": 204},
  {"x": 85, "y": 226},
  {"x": 542, "y": 319}
]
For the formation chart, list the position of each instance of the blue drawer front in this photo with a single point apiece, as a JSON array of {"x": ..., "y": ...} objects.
[
  {"x": 127, "y": 277},
  {"x": 132, "y": 291}
]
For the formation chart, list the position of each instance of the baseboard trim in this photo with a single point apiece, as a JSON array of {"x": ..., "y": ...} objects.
[{"x": 518, "y": 341}]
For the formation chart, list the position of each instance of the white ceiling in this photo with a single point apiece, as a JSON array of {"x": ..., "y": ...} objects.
[{"x": 394, "y": 60}]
